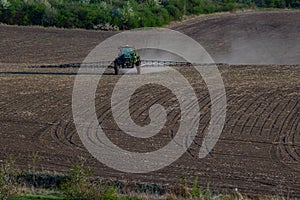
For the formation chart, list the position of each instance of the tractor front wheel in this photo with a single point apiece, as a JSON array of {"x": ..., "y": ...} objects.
[
  {"x": 138, "y": 66},
  {"x": 138, "y": 69},
  {"x": 116, "y": 68}
]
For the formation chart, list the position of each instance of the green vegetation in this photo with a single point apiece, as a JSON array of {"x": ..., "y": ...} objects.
[
  {"x": 123, "y": 14},
  {"x": 8, "y": 179},
  {"x": 78, "y": 184}
]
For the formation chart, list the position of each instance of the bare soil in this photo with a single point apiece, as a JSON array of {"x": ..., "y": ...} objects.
[{"x": 258, "y": 151}]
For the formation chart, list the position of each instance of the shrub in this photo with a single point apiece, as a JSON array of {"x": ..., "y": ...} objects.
[
  {"x": 124, "y": 14},
  {"x": 174, "y": 12},
  {"x": 8, "y": 179},
  {"x": 77, "y": 184}
]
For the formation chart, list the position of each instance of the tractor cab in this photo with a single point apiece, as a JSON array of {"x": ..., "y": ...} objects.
[
  {"x": 127, "y": 58},
  {"x": 126, "y": 51}
]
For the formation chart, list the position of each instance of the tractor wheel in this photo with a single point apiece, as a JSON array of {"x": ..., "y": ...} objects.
[
  {"x": 138, "y": 66},
  {"x": 116, "y": 67},
  {"x": 138, "y": 69}
]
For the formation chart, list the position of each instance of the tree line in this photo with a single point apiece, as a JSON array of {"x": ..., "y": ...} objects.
[{"x": 124, "y": 14}]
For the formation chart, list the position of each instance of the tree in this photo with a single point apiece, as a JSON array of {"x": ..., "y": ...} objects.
[
  {"x": 4, "y": 4},
  {"x": 49, "y": 18},
  {"x": 174, "y": 12}
]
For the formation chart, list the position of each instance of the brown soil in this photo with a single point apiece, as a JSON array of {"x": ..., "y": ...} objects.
[{"x": 258, "y": 151}]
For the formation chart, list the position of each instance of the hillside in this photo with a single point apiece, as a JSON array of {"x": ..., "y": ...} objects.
[
  {"x": 253, "y": 38},
  {"x": 114, "y": 15}
]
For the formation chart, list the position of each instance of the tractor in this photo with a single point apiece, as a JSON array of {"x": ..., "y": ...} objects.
[{"x": 127, "y": 58}]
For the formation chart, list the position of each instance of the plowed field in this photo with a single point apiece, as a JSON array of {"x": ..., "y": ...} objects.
[{"x": 258, "y": 151}]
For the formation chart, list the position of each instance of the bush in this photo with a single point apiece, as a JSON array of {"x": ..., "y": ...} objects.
[
  {"x": 174, "y": 12},
  {"x": 77, "y": 185},
  {"x": 8, "y": 179},
  {"x": 124, "y": 14}
]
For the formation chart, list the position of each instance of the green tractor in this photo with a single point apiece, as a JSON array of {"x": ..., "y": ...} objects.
[{"x": 128, "y": 58}]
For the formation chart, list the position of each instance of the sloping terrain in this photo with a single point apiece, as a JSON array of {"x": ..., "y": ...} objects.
[
  {"x": 258, "y": 151},
  {"x": 260, "y": 38},
  {"x": 247, "y": 38}
]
